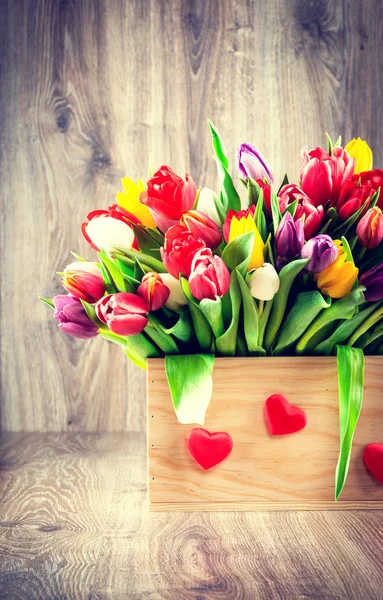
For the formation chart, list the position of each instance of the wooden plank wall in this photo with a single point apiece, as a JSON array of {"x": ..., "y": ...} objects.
[{"x": 88, "y": 88}]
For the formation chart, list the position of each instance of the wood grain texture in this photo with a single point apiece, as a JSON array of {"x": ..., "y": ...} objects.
[
  {"x": 74, "y": 524},
  {"x": 88, "y": 88},
  {"x": 281, "y": 472}
]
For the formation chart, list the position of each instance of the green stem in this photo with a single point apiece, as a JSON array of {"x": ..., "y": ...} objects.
[{"x": 261, "y": 306}]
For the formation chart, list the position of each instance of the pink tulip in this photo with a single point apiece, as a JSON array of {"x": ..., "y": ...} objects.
[
  {"x": 322, "y": 175},
  {"x": 123, "y": 313},
  {"x": 209, "y": 277},
  {"x": 313, "y": 214},
  {"x": 203, "y": 227}
]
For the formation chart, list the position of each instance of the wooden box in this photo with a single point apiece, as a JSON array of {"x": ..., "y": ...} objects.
[{"x": 264, "y": 473}]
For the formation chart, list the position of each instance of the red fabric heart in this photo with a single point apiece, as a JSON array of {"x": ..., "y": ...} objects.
[
  {"x": 282, "y": 417},
  {"x": 208, "y": 449},
  {"x": 373, "y": 459}
]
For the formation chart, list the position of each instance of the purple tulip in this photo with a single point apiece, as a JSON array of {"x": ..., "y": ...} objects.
[
  {"x": 72, "y": 317},
  {"x": 252, "y": 164},
  {"x": 321, "y": 251},
  {"x": 289, "y": 238},
  {"x": 373, "y": 282}
]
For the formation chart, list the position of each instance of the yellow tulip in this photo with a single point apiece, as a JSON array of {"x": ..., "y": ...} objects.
[
  {"x": 246, "y": 225},
  {"x": 361, "y": 151},
  {"x": 337, "y": 279},
  {"x": 129, "y": 199}
]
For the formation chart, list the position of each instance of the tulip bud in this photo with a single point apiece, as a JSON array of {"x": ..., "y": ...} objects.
[
  {"x": 209, "y": 277},
  {"x": 153, "y": 291},
  {"x": 289, "y": 238},
  {"x": 206, "y": 204},
  {"x": 373, "y": 282},
  {"x": 177, "y": 298},
  {"x": 123, "y": 313},
  {"x": 264, "y": 282},
  {"x": 201, "y": 226},
  {"x": 370, "y": 228},
  {"x": 362, "y": 153},
  {"x": 313, "y": 217},
  {"x": 252, "y": 164},
  {"x": 72, "y": 317},
  {"x": 84, "y": 280},
  {"x": 322, "y": 252}
]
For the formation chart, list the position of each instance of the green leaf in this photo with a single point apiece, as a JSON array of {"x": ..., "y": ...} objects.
[
  {"x": 220, "y": 210},
  {"x": 371, "y": 320},
  {"x": 350, "y": 389},
  {"x": 263, "y": 320},
  {"x": 139, "y": 348},
  {"x": 108, "y": 335},
  {"x": 114, "y": 275},
  {"x": 147, "y": 240},
  {"x": 226, "y": 343},
  {"x": 182, "y": 328},
  {"x": 347, "y": 250},
  {"x": 253, "y": 192},
  {"x": 237, "y": 253},
  {"x": 212, "y": 309},
  {"x": 285, "y": 181},
  {"x": 229, "y": 195},
  {"x": 164, "y": 342},
  {"x": 47, "y": 301},
  {"x": 250, "y": 319},
  {"x": 145, "y": 260},
  {"x": 287, "y": 277},
  {"x": 191, "y": 385},
  {"x": 291, "y": 208},
  {"x": 201, "y": 326},
  {"x": 305, "y": 309},
  {"x": 259, "y": 217},
  {"x": 275, "y": 211},
  {"x": 79, "y": 258},
  {"x": 91, "y": 313},
  {"x": 341, "y": 309},
  {"x": 218, "y": 146},
  {"x": 343, "y": 332}
]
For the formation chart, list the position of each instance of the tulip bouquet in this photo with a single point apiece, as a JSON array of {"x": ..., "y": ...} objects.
[{"x": 251, "y": 271}]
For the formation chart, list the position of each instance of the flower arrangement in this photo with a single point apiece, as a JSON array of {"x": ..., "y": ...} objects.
[{"x": 251, "y": 271}]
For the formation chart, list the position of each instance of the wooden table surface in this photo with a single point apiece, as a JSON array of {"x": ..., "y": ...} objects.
[{"x": 74, "y": 524}]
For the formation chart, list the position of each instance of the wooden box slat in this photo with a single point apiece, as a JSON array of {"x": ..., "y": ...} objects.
[{"x": 264, "y": 472}]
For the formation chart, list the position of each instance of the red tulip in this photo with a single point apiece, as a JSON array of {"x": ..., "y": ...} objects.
[
  {"x": 110, "y": 229},
  {"x": 239, "y": 215},
  {"x": 210, "y": 276},
  {"x": 179, "y": 249},
  {"x": 370, "y": 228},
  {"x": 153, "y": 291},
  {"x": 322, "y": 175},
  {"x": 351, "y": 199},
  {"x": 123, "y": 313},
  {"x": 84, "y": 280},
  {"x": 266, "y": 188},
  {"x": 372, "y": 179},
  {"x": 201, "y": 226},
  {"x": 168, "y": 197}
]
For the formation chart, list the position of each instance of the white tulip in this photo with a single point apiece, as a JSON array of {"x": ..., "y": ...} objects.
[
  {"x": 206, "y": 204},
  {"x": 177, "y": 298},
  {"x": 264, "y": 282},
  {"x": 108, "y": 233},
  {"x": 87, "y": 266}
]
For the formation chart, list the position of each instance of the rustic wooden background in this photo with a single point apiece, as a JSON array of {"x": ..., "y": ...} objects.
[{"x": 88, "y": 88}]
